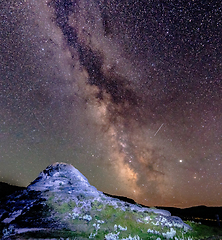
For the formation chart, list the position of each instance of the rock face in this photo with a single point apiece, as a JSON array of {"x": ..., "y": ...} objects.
[
  {"x": 61, "y": 197},
  {"x": 62, "y": 176}
]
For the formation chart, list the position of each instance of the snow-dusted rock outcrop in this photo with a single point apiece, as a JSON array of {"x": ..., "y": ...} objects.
[
  {"x": 63, "y": 177},
  {"x": 61, "y": 195}
]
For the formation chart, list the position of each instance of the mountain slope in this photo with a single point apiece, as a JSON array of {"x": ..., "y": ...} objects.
[{"x": 62, "y": 199}]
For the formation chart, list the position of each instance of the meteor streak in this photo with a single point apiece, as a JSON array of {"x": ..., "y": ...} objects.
[{"x": 158, "y": 129}]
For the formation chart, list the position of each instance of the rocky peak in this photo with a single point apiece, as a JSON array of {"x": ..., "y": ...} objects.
[{"x": 63, "y": 177}]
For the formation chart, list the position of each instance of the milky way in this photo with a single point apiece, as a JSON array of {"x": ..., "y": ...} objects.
[{"x": 128, "y": 92}]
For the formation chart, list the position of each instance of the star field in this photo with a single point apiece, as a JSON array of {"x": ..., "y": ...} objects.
[{"x": 128, "y": 92}]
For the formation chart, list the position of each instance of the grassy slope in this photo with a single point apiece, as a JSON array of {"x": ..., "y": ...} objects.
[{"x": 105, "y": 217}]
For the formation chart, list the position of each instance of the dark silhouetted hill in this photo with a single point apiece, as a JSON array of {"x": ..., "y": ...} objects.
[{"x": 7, "y": 189}]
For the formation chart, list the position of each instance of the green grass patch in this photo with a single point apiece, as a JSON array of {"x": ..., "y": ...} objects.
[
  {"x": 60, "y": 206},
  {"x": 65, "y": 207},
  {"x": 128, "y": 219},
  {"x": 201, "y": 231},
  {"x": 96, "y": 205}
]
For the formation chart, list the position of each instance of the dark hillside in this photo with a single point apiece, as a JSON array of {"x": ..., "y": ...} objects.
[{"x": 7, "y": 189}]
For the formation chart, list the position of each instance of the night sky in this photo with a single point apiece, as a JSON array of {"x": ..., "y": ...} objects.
[{"x": 128, "y": 92}]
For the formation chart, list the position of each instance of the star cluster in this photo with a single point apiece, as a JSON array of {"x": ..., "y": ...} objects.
[{"x": 129, "y": 92}]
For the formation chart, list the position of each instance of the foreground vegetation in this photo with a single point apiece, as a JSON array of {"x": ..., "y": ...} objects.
[
  {"x": 105, "y": 221},
  {"x": 106, "y": 218},
  {"x": 199, "y": 232}
]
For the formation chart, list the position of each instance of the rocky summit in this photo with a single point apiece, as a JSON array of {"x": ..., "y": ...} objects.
[
  {"x": 64, "y": 178},
  {"x": 60, "y": 202}
]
